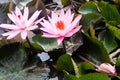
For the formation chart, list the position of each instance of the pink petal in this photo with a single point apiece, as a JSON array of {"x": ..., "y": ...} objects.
[
  {"x": 73, "y": 31},
  {"x": 32, "y": 27},
  {"x": 59, "y": 40},
  {"x": 49, "y": 35},
  {"x": 74, "y": 23},
  {"x": 54, "y": 16},
  {"x": 53, "y": 26},
  {"x": 48, "y": 26},
  {"x": 68, "y": 12},
  {"x": 48, "y": 30},
  {"x": 25, "y": 14},
  {"x": 11, "y": 17},
  {"x": 62, "y": 13},
  {"x": 107, "y": 68},
  {"x": 76, "y": 20},
  {"x": 33, "y": 18},
  {"x": 17, "y": 11},
  {"x": 67, "y": 21},
  {"x": 9, "y": 26},
  {"x": 38, "y": 21},
  {"x": 68, "y": 17},
  {"x": 23, "y": 34},
  {"x": 17, "y": 20},
  {"x": 11, "y": 34}
]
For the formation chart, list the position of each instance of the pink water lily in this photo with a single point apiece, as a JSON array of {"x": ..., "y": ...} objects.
[
  {"x": 60, "y": 25},
  {"x": 21, "y": 23},
  {"x": 107, "y": 68}
]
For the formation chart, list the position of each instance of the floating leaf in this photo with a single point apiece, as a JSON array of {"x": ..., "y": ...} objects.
[
  {"x": 109, "y": 13},
  {"x": 85, "y": 67},
  {"x": 65, "y": 63},
  {"x": 89, "y": 19},
  {"x": 89, "y": 7},
  {"x": 115, "y": 31},
  {"x": 94, "y": 50},
  {"x": 47, "y": 44},
  {"x": 94, "y": 76},
  {"x": 68, "y": 76},
  {"x": 108, "y": 40}
]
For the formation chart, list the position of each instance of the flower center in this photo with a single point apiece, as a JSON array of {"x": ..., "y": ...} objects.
[
  {"x": 23, "y": 28},
  {"x": 19, "y": 16},
  {"x": 60, "y": 25}
]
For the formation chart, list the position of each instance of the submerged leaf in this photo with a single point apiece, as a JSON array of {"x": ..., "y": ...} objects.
[
  {"x": 11, "y": 66},
  {"x": 74, "y": 43},
  {"x": 3, "y": 14}
]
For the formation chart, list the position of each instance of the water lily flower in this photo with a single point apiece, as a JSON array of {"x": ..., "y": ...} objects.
[
  {"x": 60, "y": 25},
  {"x": 21, "y": 23},
  {"x": 107, "y": 68}
]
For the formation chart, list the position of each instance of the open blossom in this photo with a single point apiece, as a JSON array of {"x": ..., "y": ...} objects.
[
  {"x": 60, "y": 25},
  {"x": 21, "y": 23},
  {"x": 107, "y": 68}
]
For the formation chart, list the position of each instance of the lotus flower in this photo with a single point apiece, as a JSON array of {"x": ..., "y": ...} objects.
[
  {"x": 21, "y": 23},
  {"x": 60, "y": 25},
  {"x": 107, "y": 68}
]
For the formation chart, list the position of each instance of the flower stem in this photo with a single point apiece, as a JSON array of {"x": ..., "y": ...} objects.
[
  {"x": 64, "y": 46},
  {"x": 29, "y": 43},
  {"x": 88, "y": 61}
]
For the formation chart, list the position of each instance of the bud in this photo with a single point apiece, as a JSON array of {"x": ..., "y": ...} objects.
[{"x": 107, "y": 68}]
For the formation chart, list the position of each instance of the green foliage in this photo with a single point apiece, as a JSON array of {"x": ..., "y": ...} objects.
[
  {"x": 94, "y": 76},
  {"x": 65, "y": 2},
  {"x": 117, "y": 65},
  {"x": 85, "y": 68},
  {"x": 68, "y": 76},
  {"x": 65, "y": 63},
  {"x": 108, "y": 40},
  {"x": 109, "y": 13},
  {"x": 88, "y": 19},
  {"x": 99, "y": 37},
  {"x": 9, "y": 49},
  {"x": 89, "y": 7},
  {"x": 115, "y": 31},
  {"x": 94, "y": 50},
  {"x": 41, "y": 43}
]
